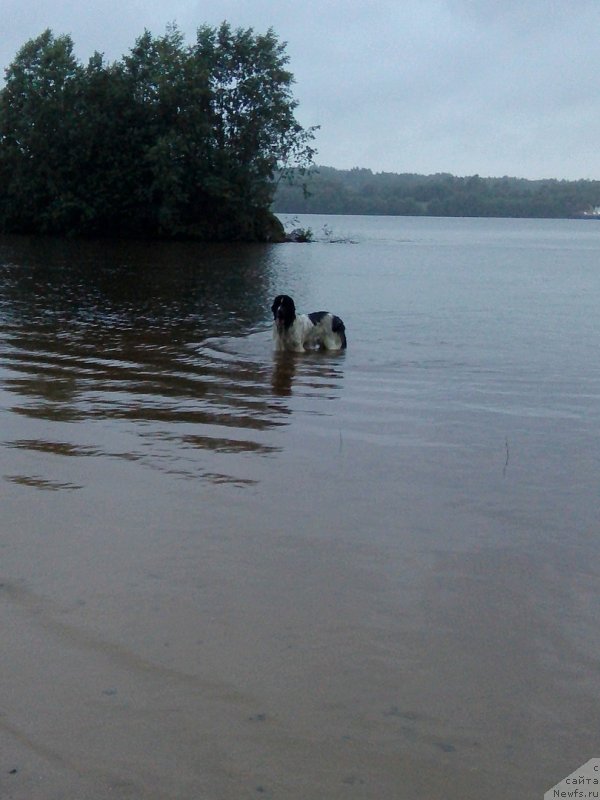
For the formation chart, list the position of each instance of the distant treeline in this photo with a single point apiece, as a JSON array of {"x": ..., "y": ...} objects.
[{"x": 361, "y": 191}]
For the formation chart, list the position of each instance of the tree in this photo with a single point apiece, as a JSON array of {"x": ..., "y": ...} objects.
[
  {"x": 242, "y": 115},
  {"x": 35, "y": 129},
  {"x": 173, "y": 140}
]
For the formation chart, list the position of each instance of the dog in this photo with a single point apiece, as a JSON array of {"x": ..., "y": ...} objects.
[{"x": 299, "y": 332}]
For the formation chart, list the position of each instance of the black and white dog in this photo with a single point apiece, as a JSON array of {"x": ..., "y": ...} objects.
[{"x": 300, "y": 332}]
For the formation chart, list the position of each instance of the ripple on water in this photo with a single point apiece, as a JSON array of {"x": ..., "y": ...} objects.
[{"x": 195, "y": 411}]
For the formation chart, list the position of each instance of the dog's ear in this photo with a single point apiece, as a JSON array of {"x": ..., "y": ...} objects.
[{"x": 276, "y": 304}]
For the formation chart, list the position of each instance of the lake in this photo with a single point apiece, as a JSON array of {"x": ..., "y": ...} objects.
[{"x": 228, "y": 573}]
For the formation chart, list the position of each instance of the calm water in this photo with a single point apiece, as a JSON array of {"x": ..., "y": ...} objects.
[{"x": 231, "y": 574}]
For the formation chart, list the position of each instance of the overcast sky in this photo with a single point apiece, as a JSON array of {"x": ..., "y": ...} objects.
[{"x": 493, "y": 87}]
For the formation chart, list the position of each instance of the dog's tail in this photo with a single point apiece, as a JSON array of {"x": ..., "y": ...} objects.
[{"x": 337, "y": 326}]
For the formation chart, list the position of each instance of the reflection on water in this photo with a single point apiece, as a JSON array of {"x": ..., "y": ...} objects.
[
  {"x": 305, "y": 372},
  {"x": 40, "y": 483},
  {"x": 122, "y": 333},
  {"x": 125, "y": 333}
]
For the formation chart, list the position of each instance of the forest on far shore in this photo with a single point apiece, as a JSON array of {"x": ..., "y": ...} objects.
[{"x": 361, "y": 191}]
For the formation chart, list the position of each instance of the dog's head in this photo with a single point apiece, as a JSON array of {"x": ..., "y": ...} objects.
[{"x": 284, "y": 310}]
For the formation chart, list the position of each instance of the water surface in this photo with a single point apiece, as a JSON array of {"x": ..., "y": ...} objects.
[{"x": 231, "y": 573}]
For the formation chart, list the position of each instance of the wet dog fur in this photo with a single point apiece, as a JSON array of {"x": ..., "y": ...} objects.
[{"x": 299, "y": 332}]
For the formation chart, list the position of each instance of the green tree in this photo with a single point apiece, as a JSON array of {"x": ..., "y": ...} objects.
[
  {"x": 173, "y": 140},
  {"x": 36, "y": 127}
]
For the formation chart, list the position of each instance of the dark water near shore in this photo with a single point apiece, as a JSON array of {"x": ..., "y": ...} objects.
[{"x": 227, "y": 573}]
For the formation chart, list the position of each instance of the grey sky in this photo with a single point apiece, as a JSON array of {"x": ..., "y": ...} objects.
[{"x": 494, "y": 87}]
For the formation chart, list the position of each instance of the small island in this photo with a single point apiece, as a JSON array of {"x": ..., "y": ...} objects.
[{"x": 174, "y": 141}]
